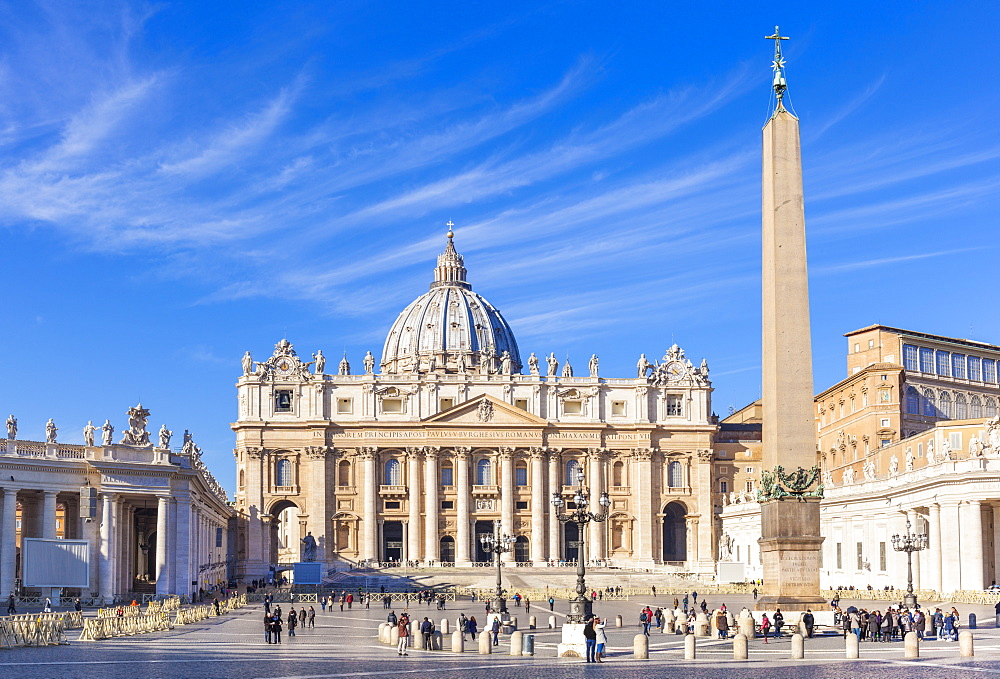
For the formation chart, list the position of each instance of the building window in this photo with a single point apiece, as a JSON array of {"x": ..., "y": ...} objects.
[
  {"x": 943, "y": 362},
  {"x": 749, "y": 485},
  {"x": 392, "y": 405},
  {"x": 446, "y": 403},
  {"x": 955, "y": 439},
  {"x": 447, "y": 504},
  {"x": 484, "y": 473},
  {"x": 283, "y": 401},
  {"x": 618, "y": 408},
  {"x": 864, "y": 399},
  {"x": 975, "y": 408},
  {"x": 975, "y": 372},
  {"x": 871, "y": 344},
  {"x": 989, "y": 370},
  {"x": 345, "y": 406},
  {"x": 958, "y": 366},
  {"x": 521, "y": 504},
  {"x": 617, "y": 474},
  {"x": 723, "y": 486},
  {"x": 990, "y": 410},
  {"x": 961, "y": 411},
  {"x": 674, "y": 405},
  {"x": 840, "y": 556},
  {"x": 853, "y": 405},
  {"x": 283, "y": 473},
  {"x": 572, "y": 407},
  {"x": 926, "y": 360},
  {"x": 884, "y": 422},
  {"x": 675, "y": 475},
  {"x": 392, "y": 504},
  {"x": 521, "y": 474},
  {"x": 930, "y": 408},
  {"x": 344, "y": 473},
  {"x": 882, "y": 557},
  {"x": 857, "y": 347},
  {"x": 885, "y": 442},
  {"x": 912, "y": 401},
  {"x": 521, "y": 403},
  {"x": 909, "y": 358},
  {"x": 572, "y": 471},
  {"x": 447, "y": 475},
  {"x": 242, "y": 478},
  {"x": 920, "y": 450},
  {"x": 393, "y": 475},
  {"x": 944, "y": 404},
  {"x": 861, "y": 556}
]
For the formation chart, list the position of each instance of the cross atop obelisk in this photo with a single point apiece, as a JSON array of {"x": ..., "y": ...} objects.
[{"x": 778, "y": 66}]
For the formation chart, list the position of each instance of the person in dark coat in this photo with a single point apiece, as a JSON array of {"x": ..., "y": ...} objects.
[
  {"x": 276, "y": 628},
  {"x": 809, "y": 620},
  {"x": 293, "y": 620}
]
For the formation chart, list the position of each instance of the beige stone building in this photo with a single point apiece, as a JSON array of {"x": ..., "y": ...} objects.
[{"x": 413, "y": 462}]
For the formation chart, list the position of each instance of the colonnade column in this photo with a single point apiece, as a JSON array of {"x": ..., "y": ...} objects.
[
  {"x": 555, "y": 488},
  {"x": 971, "y": 556},
  {"x": 538, "y": 502},
  {"x": 181, "y": 556},
  {"x": 996, "y": 543},
  {"x": 162, "y": 511},
  {"x": 506, "y": 456},
  {"x": 914, "y": 519},
  {"x": 432, "y": 505},
  {"x": 369, "y": 526},
  {"x": 463, "y": 554},
  {"x": 597, "y": 548},
  {"x": 107, "y": 554},
  {"x": 413, "y": 502},
  {"x": 49, "y": 514},
  {"x": 934, "y": 548},
  {"x": 8, "y": 541},
  {"x": 950, "y": 546}
]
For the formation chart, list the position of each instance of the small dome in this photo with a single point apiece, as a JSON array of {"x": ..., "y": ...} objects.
[{"x": 450, "y": 328}]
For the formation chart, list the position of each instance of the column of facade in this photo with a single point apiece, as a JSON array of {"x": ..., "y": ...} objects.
[
  {"x": 971, "y": 556},
  {"x": 432, "y": 505},
  {"x": 506, "y": 457},
  {"x": 162, "y": 526},
  {"x": 182, "y": 572},
  {"x": 413, "y": 551},
  {"x": 107, "y": 546},
  {"x": 538, "y": 509},
  {"x": 369, "y": 517},
  {"x": 8, "y": 541},
  {"x": 951, "y": 545},
  {"x": 555, "y": 488},
  {"x": 48, "y": 517},
  {"x": 128, "y": 536},
  {"x": 596, "y": 543},
  {"x": 705, "y": 536},
  {"x": 996, "y": 543},
  {"x": 320, "y": 459},
  {"x": 116, "y": 542},
  {"x": 194, "y": 560},
  {"x": 252, "y": 461},
  {"x": 644, "y": 509},
  {"x": 463, "y": 528},
  {"x": 933, "y": 552}
]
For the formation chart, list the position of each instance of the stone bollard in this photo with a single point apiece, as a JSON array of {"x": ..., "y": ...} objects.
[
  {"x": 383, "y": 633},
  {"x": 552, "y": 622},
  {"x": 513, "y": 624},
  {"x": 457, "y": 642},
  {"x": 640, "y": 647},
  {"x": 485, "y": 643},
  {"x": 798, "y": 647},
  {"x": 394, "y": 636},
  {"x": 972, "y": 621},
  {"x": 701, "y": 625},
  {"x": 740, "y": 647},
  {"x": 618, "y": 621},
  {"x": 852, "y": 651},
  {"x": 516, "y": 642},
  {"x": 911, "y": 643},
  {"x": 731, "y": 619},
  {"x": 965, "y": 644},
  {"x": 444, "y": 626},
  {"x": 415, "y": 633},
  {"x": 746, "y": 626},
  {"x": 690, "y": 649},
  {"x": 532, "y": 622},
  {"x": 668, "y": 622}
]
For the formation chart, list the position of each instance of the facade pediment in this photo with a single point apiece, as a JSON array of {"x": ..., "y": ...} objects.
[{"x": 485, "y": 410}]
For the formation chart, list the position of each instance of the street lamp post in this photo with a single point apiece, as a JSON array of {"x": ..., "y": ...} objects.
[
  {"x": 497, "y": 544},
  {"x": 581, "y": 606},
  {"x": 909, "y": 543}
]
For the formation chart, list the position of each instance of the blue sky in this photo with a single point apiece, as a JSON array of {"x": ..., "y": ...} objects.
[{"x": 183, "y": 181}]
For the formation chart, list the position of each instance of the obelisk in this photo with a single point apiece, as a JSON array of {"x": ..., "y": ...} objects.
[{"x": 790, "y": 492}]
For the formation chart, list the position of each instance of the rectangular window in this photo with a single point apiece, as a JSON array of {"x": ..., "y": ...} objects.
[
  {"x": 974, "y": 368},
  {"x": 885, "y": 442},
  {"x": 723, "y": 486},
  {"x": 447, "y": 476},
  {"x": 884, "y": 421},
  {"x": 521, "y": 403},
  {"x": 857, "y": 347},
  {"x": 447, "y": 504},
  {"x": 920, "y": 450},
  {"x": 861, "y": 556},
  {"x": 871, "y": 344},
  {"x": 882, "y": 557},
  {"x": 989, "y": 370},
  {"x": 521, "y": 476},
  {"x": 618, "y": 408},
  {"x": 840, "y": 555},
  {"x": 864, "y": 399},
  {"x": 572, "y": 407},
  {"x": 283, "y": 401},
  {"x": 674, "y": 405},
  {"x": 943, "y": 363},
  {"x": 958, "y": 366},
  {"x": 749, "y": 470},
  {"x": 392, "y": 405},
  {"x": 955, "y": 439},
  {"x": 926, "y": 360},
  {"x": 749, "y": 486},
  {"x": 446, "y": 403},
  {"x": 909, "y": 357},
  {"x": 521, "y": 504},
  {"x": 392, "y": 504},
  {"x": 345, "y": 406}
]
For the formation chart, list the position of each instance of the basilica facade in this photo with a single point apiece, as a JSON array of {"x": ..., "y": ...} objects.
[{"x": 413, "y": 459}]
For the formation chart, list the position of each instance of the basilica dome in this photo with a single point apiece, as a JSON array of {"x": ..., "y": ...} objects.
[{"x": 450, "y": 328}]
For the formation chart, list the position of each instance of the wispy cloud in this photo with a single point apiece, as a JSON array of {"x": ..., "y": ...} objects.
[{"x": 829, "y": 269}]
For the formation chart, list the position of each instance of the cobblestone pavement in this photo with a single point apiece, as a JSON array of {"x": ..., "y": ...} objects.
[{"x": 344, "y": 645}]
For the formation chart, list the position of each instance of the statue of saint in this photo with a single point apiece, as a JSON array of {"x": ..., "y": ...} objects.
[
  {"x": 533, "y": 364},
  {"x": 11, "y": 427},
  {"x": 553, "y": 364},
  {"x": 726, "y": 547},
  {"x": 460, "y": 364},
  {"x": 369, "y": 363},
  {"x": 567, "y": 369},
  {"x": 247, "y": 363},
  {"x": 643, "y": 366},
  {"x": 50, "y": 431},
  {"x": 593, "y": 365},
  {"x": 165, "y": 435},
  {"x": 343, "y": 369},
  {"x": 107, "y": 432},
  {"x": 136, "y": 434},
  {"x": 320, "y": 361},
  {"x": 309, "y": 547},
  {"x": 505, "y": 363},
  {"x": 88, "y": 433},
  {"x": 488, "y": 359}
]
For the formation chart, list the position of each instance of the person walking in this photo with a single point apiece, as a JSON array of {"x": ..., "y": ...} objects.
[
  {"x": 590, "y": 637},
  {"x": 463, "y": 625},
  {"x": 779, "y": 620},
  {"x": 276, "y": 627},
  {"x": 78, "y": 605},
  {"x": 754, "y": 593},
  {"x": 427, "y": 630},
  {"x": 809, "y": 620},
  {"x": 722, "y": 624},
  {"x": 267, "y": 603},
  {"x": 602, "y": 638},
  {"x": 267, "y": 628},
  {"x": 495, "y": 629},
  {"x": 473, "y": 627},
  {"x": 322, "y": 604},
  {"x": 11, "y": 605},
  {"x": 404, "y": 632},
  {"x": 302, "y": 617},
  {"x": 293, "y": 621},
  {"x": 350, "y": 601},
  {"x": 765, "y": 626},
  {"x": 343, "y": 600},
  {"x": 527, "y": 605},
  {"x": 552, "y": 604}
]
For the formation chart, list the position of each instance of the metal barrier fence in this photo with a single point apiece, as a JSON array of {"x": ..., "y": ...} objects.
[
  {"x": 95, "y": 629},
  {"x": 29, "y": 630},
  {"x": 285, "y": 597}
]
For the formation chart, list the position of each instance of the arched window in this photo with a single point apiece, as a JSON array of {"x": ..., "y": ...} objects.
[
  {"x": 344, "y": 473},
  {"x": 393, "y": 473},
  {"x": 944, "y": 404},
  {"x": 990, "y": 410},
  {"x": 484, "y": 473},
  {"x": 961, "y": 410},
  {"x": 572, "y": 471},
  {"x": 929, "y": 405},
  {"x": 618, "y": 474},
  {"x": 675, "y": 475},
  {"x": 975, "y": 408},
  {"x": 521, "y": 475},
  {"x": 242, "y": 478},
  {"x": 912, "y": 401},
  {"x": 283, "y": 473}
]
